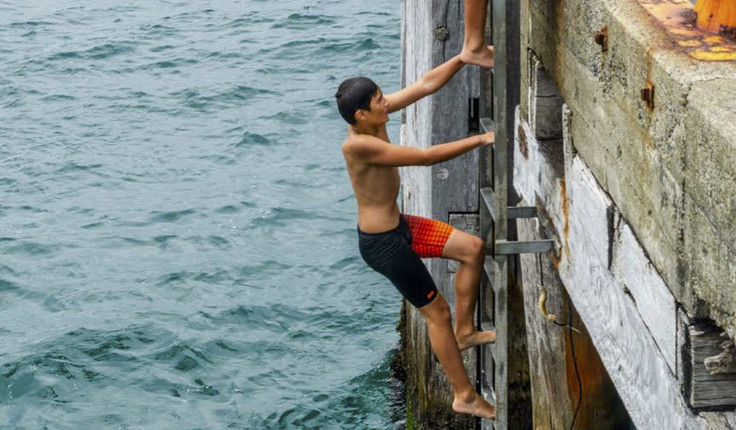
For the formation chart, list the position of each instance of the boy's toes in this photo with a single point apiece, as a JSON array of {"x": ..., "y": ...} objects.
[{"x": 476, "y": 338}]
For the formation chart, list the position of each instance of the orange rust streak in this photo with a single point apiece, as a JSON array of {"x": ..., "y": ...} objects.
[{"x": 566, "y": 215}]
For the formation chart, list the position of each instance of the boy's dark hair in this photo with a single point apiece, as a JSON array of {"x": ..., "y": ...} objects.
[{"x": 353, "y": 94}]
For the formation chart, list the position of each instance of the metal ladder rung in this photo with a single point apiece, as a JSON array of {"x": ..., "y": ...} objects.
[
  {"x": 505, "y": 247},
  {"x": 488, "y": 268},
  {"x": 491, "y": 347},
  {"x": 514, "y": 212},
  {"x": 487, "y": 325},
  {"x": 489, "y": 200},
  {"x": 486, "y": 124},
  {"x": 488, "y": 393}
]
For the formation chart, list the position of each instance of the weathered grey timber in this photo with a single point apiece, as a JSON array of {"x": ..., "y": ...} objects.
[
  {"x": 545, "y": 103},
  {"x": 725, "y": 359},
  {"x": 596, "y": 283},
  {"x": 551, "y": 353},
  {"x": 709, "y": 389},
  {"x": 440, "y": 191}
]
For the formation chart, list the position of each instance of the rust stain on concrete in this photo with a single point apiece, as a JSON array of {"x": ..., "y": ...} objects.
[{"x": 678, "y": 19}]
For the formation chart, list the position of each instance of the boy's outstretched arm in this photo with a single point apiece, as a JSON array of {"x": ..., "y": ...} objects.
[
  {"x": 426, "y": 85},
  {"x": 371, "y": 150}
]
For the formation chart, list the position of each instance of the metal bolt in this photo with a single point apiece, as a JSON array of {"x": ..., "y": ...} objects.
[
  {"x": 601, "y": 38},
  {"x": 647, "y": 95},
  {"x": 441, "y": 33},
  {"x": 443, "y": 174}
]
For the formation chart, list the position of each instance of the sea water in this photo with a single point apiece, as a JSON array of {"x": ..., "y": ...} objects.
[{"x": 177, "y": 239}]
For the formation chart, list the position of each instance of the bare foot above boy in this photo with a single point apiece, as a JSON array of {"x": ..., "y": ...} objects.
[{"x": 475, "y": 51}]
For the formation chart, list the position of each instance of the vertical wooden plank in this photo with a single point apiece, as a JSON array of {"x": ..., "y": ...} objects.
[
  {"x": 487, "y": 295},
  {"x": 519, "y": 394},
  {"x": 501, "y": 364},
  {"x": 455, "y": 184}
]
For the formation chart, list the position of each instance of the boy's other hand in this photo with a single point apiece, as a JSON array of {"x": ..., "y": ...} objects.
[{"x": 488, "y": 138}]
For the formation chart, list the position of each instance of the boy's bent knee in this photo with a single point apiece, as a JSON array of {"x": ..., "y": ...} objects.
[
  {"x": 478, "y": 247},
  {"x": 474, "y": 250}
]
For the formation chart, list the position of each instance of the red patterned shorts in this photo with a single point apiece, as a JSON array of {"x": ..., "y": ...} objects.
[
  {"x": 428, "y": 236},
  {"x": 397, "y": 255}
]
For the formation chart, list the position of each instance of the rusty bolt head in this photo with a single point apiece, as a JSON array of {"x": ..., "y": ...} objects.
[
  {"x": 601, "y": 39},
  {"x": 441, "y": 33},
  {"x": 647, "y": 95}
]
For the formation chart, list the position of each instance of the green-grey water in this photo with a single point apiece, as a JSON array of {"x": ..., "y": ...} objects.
[{"x": 177, "y": 245}]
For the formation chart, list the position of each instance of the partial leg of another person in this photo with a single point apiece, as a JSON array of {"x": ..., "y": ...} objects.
[{"x": 475, "y": 50}]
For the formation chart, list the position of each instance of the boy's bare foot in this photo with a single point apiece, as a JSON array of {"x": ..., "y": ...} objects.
[
  {"x": 475, "y": 338},
  {"x": 474, "y": 404},
  {"x": 480, "y": 57}
]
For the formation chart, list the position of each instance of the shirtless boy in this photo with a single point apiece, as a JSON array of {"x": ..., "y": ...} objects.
[{"x": 393, "y": 243}]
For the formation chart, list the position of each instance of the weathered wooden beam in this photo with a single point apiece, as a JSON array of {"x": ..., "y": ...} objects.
[
  {"x": 724, "y": 362},
  {"x": 709, "y": 390},
  {"x": 596, "y": 268},
  {"x": 432, "y": 32},
  {"x": 545, "y": 104}
]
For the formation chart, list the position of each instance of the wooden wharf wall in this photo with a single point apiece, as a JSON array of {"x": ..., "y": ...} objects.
[{"x": 579, "y": 135}]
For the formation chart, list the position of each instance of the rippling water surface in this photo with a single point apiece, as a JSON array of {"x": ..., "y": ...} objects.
[{"x": 177, "y": 245}]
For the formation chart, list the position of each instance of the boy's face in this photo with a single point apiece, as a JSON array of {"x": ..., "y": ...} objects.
[{"x": 379, "y": 111}]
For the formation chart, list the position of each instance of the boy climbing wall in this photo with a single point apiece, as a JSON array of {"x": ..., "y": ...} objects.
[{"x": 393, "y": 243}]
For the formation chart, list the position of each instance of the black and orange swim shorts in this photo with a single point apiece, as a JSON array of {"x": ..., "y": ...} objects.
[{"x": 397, "y": 255}]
